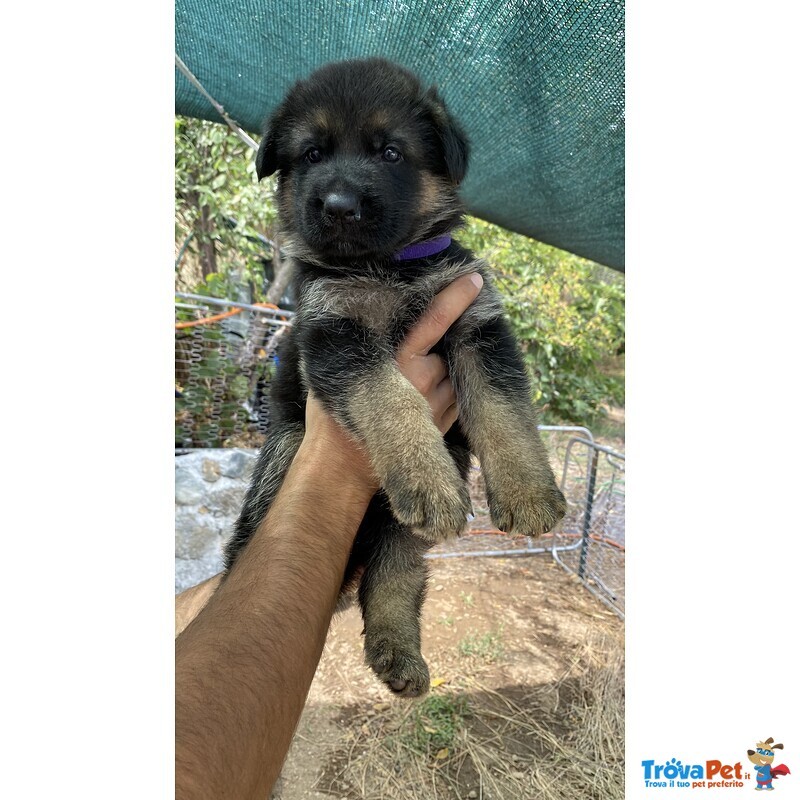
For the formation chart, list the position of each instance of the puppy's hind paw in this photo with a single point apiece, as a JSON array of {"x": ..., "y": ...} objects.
[{"x": 403, "y": 671}]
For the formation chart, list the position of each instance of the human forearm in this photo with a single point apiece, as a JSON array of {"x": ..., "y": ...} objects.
[
  {"x": 244, "y": 666},
  {"x": 190, "y": 602}
]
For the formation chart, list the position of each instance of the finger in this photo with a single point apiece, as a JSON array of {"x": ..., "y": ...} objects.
[
  {"x": 441, "y": 400},
  {"x": 429, "y": 371},
  {"x": 448, "y": 419},
  {"x": 443, "y": 395},
  {"x": 445, "y": 309}
]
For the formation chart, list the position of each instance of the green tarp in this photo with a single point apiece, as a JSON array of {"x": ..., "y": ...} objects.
[{"x": 538, "y": 86}]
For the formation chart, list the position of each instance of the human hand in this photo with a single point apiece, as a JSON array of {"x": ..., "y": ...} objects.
[{"x": 426, "y": 371}]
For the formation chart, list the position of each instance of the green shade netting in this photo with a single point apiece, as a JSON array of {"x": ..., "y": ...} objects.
[{"x": 538, "y": 86}]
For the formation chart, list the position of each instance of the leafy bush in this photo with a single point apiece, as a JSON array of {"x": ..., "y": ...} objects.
[
  {"x": 568, "y": 314},
  {"x": 221, "y": 210}
]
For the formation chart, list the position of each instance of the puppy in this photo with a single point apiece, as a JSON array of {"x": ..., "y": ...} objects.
[{"x": 369, "y": 163}]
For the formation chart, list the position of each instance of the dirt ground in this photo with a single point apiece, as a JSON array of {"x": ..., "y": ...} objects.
[{"x": 527, "y": 698}]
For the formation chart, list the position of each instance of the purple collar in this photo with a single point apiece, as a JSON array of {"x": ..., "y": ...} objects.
[{"x": 424, "y": 249}]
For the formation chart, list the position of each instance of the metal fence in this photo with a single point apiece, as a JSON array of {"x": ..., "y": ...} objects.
[
  {"x": 590, "y": 541},
  {"x": 224, "y": 361}
]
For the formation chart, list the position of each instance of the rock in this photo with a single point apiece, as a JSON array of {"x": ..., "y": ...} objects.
[
  {"x": 190, "y": 572},
  {"x": 189, "y": 488},
  {"x": 237, "y": 464},
  {"x": 225, "y": 497},
  {"x": 210, "y": 486},
  {"x": 195, "y": 536},
  {"x": 211, "y": 470}
]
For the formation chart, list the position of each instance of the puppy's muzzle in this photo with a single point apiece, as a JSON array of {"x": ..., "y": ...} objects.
[{"x": 342, "y": 207}]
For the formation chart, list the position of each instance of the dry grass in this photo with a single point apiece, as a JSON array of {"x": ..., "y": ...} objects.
[{"x": 547, "y": 742}]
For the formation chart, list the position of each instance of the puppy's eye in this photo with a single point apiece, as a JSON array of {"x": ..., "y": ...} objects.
[
  {"x": 391, "y": 154},
  {"x": 313, "y": 156}
]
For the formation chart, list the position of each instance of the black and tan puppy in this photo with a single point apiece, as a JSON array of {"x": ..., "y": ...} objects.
[{"x": 368, "y": 166}]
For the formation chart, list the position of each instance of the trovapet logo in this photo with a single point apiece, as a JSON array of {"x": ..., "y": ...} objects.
[
  {"x": 714, "y": 773},
  {"x": 676, "y": 774}
]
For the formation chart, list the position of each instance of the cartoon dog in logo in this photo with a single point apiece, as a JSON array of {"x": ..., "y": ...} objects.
[{"x": 762, "y": 757}]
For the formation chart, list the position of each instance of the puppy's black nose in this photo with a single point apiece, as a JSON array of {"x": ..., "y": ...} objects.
[{"x": 343, "y": 206}]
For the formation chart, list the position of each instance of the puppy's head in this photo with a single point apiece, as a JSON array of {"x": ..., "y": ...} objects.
[{"x": 368, "y": 161}]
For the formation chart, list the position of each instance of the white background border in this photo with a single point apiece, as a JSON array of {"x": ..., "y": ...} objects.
[
  {"x": 712, "y": 565},
  {"x": 712, "y": 385}
]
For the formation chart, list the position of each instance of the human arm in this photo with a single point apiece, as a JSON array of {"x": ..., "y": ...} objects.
[
  {"x": 246, "y": 661},
  {"x": 243, "y": 667}
]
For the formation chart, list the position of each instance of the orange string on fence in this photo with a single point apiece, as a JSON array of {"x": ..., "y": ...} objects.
[{"x": 208, "y": 320}]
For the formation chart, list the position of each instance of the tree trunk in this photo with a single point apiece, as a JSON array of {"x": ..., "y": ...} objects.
[
  {"x": 208, "y": 253},
  {"x": 283, "y": 274},
  {"x": 203, "y": 230}
]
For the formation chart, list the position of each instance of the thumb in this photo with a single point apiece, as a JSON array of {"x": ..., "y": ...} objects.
[{"x": 445, "y": 309}]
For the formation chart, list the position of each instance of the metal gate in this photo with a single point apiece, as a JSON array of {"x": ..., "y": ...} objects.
[{"x": 590, "y": 541}]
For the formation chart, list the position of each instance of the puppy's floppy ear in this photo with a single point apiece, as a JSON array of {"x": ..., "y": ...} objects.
[
  {"x": 455, "y": 146},
  {"x": 267, "y": 157}
]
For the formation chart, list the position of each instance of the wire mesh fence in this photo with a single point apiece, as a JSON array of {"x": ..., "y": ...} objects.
[{"x": 225, "y": 359}]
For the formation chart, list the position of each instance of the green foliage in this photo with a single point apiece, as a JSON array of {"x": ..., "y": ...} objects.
[
  {"x": 434, "y": 723},
  {"x": 224, "y": 284},
  {"x": 568, "y": 315},
  {"x": 487, "y": 646},
  {"x": 216, "y": 182}
]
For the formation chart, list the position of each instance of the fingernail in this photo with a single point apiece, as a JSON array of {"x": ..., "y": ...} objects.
[{"x": 477, "y": 279}]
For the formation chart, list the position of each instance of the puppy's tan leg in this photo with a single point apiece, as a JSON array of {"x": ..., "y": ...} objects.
[
  {"x": 498, "y": 419},
  {"x": 408, "y": 454}
]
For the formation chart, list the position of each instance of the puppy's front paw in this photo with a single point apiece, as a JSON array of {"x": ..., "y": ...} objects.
[
  {"x": 433, "y": 502},
  {"x": 402, "y": 669},
  {"x": 526, "y": 509}
]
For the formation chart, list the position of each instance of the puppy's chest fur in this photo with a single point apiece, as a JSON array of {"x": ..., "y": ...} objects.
[{"x": 389, "y": 304}]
